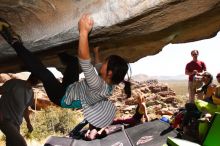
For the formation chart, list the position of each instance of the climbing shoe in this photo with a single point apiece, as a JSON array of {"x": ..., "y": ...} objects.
[{"x": 8, "y": 33}]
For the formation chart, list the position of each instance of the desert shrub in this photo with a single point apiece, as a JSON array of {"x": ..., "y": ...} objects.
[
  {"x": 2, "y": 138},
  {"x": 51, "y": 121},
  {"x": 179, "y": 86}
]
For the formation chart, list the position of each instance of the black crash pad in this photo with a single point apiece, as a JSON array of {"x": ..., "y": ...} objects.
[{"x": 153, "y": 133}]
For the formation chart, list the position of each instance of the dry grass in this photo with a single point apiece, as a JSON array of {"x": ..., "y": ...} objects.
[
  {"x": 52, "y": 121},
  {"x": 179, "y": 86}
]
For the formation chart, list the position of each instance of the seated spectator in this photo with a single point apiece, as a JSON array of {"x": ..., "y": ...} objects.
[
  {"x": 216, "y": 97},
  {"x": 141, "y": 112},
  {"x": 208, "y": 87},
  {"x": 212, "y": 100}
]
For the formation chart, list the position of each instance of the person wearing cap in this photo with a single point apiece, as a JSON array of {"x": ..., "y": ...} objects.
[{"x": 194, "y": 69}]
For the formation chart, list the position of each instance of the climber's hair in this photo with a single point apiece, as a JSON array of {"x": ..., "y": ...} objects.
[
  {"x": 119, "y": 68},
  {"x": 127, "y": 88}
]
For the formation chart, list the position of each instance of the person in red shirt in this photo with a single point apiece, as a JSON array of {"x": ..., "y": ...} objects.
[{"x": 194, "y": 70}]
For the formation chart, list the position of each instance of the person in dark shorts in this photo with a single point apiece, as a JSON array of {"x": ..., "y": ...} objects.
[{"x": 17, "y": 96}]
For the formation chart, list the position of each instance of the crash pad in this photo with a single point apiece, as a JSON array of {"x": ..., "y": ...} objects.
[{"x": 152, "y": 133}]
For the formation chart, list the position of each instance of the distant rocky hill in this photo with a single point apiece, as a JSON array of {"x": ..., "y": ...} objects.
[
  {"x": 177, "y": 77},
  {"x": 140, "y": 77},
  {"x": 143, "y": 77}
]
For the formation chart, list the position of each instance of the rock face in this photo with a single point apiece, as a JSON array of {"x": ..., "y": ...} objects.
[
  {"x": 160, "y": 99},
  {"x": 142, "y": 27}
]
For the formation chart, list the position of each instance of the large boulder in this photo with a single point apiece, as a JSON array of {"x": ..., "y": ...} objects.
[{"x": 142, "y": 27}]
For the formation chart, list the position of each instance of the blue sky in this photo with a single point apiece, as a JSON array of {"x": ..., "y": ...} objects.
[{"x": 172, "y": 59}]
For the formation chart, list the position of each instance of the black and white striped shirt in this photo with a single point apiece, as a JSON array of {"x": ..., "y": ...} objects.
[{"x": 93, "y": 92}]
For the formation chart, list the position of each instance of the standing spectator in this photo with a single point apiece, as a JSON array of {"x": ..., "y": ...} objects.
[
  {"x": 193, "y": 69},
  {"x": 17, "y": 96}
]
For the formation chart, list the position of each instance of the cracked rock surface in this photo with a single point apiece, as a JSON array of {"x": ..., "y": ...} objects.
[{"x": 130, "y": 28}]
